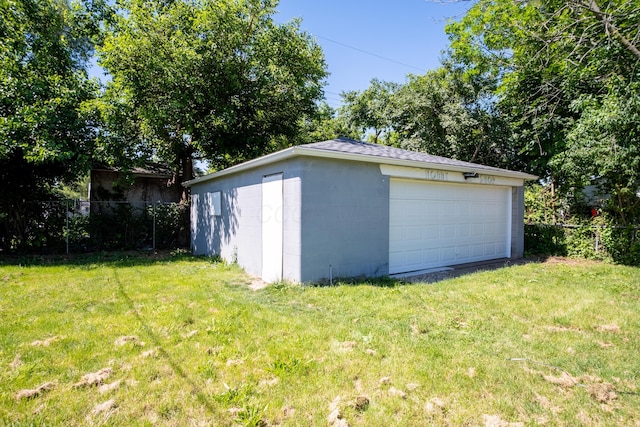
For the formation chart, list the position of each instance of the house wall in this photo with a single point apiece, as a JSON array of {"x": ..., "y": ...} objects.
[
  {"x": 236, "y": 234},
  {"x": 144, "y": 189},
  {"x": 517, "y": 222},
  {"x": 345, "y": 219}
]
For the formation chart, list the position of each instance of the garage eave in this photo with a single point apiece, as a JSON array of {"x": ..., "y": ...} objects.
[
  {"x": 470, "y": 167},
  {"x": 313, "y": 150}
]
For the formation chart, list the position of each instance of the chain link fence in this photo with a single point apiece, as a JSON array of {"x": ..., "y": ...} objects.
[{"x": 75, "y": 226}]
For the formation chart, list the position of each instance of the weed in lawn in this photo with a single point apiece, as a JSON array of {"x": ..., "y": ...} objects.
[
  {"x": 290, "y": 365},
  {"x": 251, "y": 416}
]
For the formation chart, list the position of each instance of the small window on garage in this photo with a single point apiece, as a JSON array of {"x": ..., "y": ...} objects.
[{"x": 215, "y": 203}]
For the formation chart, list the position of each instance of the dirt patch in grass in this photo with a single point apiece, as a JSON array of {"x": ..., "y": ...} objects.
[
  {"x": 46, "y": 342},
  {"x": 15, "y": 364},
  {"x": 106, "y": 388},
  {"x": 257, "y": 284},
  {"x": 104, "y": 407},
  {"x": 94, "y": 378},
  {"x": 360, "y": 403},
  {"x": 602, "y": 392},
  {"x": 335, "y": 418},
  {"x": 609, "y": 328},
  {"x": 596, "y": 388},
  {"x": 35, "y": 392},
  {"x": 132, "y": 339},
  {"x": 564, "y": 380},
  {"x": 497, "y": 421}
]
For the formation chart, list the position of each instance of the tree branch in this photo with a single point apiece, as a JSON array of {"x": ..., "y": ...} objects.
[{"x": 593, "y": 7}]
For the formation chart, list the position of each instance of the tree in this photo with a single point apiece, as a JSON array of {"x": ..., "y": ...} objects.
[
  {"x": 322, "y": 125},
  {"x": 443, "y": 114},
  {"x": 566, "y": 74},
  {"x": 45, "y": 131},
  {"x": 214, "y": 79},
  {"x": 370, "y": 110}
]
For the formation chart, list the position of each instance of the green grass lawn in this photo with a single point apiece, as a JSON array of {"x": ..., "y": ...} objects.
[{"x": 184, "y": 341}]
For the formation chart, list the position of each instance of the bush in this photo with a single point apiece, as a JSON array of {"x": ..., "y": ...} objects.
[
  {"x": 591, "y": 241},
  {"x": 622, "y": 244},
  {"x": 109, "y": 226},
  {"x": 544, "y": 239}
]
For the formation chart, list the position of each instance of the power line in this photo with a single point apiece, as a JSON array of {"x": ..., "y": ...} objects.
[{"x": 369, "y": 53}]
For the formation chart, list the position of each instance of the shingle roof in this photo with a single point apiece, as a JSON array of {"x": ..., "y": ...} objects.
[
  {"x": 349, "y": 149},
  {"x": 351, "y": 146}
]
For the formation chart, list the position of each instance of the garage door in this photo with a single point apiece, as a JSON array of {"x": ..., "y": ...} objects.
[{"x": 435, "y": 224}]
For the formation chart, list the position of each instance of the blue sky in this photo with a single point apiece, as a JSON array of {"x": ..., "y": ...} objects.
[{"x": 407, "y": 31}]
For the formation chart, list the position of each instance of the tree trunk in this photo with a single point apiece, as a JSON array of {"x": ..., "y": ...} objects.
[{"x": 185, "y": 167}]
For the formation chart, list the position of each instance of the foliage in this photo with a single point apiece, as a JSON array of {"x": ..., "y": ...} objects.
[
  {"x": 46, "y": 131},
  {"x": 566, "y": 76},
  {"x": 440, "y": 112},
  {"x": 321, "y": 125},
  {"x": 371, "y": 110},
  {"x": 544, "y": 239},
  {"x": 622, "y": 244},
  {"x": 211, "y": 79},
  {"x": 444, "y": 114},
  {"x": 588, "y": 239},
  {"x": 50, "y": 226},
  {"x": 200, "y": 345}
]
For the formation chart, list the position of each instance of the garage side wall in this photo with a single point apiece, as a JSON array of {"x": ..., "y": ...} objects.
[
  {"x": 517, "y": 222},
  {"x": 235, "y": 234},
  {"x": 345, "y": 220}
]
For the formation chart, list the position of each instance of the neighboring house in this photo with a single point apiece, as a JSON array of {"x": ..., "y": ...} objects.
[
  {"x": 139, "y": 187},
  {"x": 345, "y": 208}
]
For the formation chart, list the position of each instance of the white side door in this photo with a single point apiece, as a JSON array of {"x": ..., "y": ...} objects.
[{"x": 272, "y": 230}]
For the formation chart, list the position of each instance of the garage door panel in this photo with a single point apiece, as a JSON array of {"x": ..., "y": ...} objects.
[
  {"x": 414, "y": 233},
  {"x": 477, "y": 250},
  {"x": 462, "y": 231},
  {"x": 447, "y": 254},
  {"x": 463, "y": 252},
  {"x": 446, "y": 224},
  {"x": 447, "y": 231},
  {"x": 430, "y": 232}
]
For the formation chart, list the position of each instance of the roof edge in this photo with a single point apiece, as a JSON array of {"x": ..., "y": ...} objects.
[
  {"x": 260, "y": 161},
  {"x": 332, "y": 154}
]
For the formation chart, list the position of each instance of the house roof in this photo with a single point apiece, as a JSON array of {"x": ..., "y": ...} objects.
[
  {"x": 150, "y": 169},
  {"x": 349, "y": 149}
]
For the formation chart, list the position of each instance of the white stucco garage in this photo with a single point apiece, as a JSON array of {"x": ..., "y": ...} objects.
[{"x": 344, "y": 208}]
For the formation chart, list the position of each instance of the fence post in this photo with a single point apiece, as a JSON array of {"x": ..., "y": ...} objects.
[
  {"x": 155, "y": 205},
  {"x": 67, "y": 224}
]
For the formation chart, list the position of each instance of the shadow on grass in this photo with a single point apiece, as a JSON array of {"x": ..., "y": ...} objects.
[
  {"x": 437, "y": 276},
  {"x": 175, "y": 366},
  {"x": 115, "y": 259}
]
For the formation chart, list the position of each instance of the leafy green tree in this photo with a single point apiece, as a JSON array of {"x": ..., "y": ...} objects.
[
  {"x": 566, "y": 76},
  {"x": 322, "y": 125},
  {"x": 46, "y": 133},
  {"x": 369, "y": 112},
  {"x": 443, "y": 114},
  {"x": 206, "y": 79}
]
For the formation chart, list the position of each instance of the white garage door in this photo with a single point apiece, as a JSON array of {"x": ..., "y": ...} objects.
[{"x": 434, "y": 224}]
